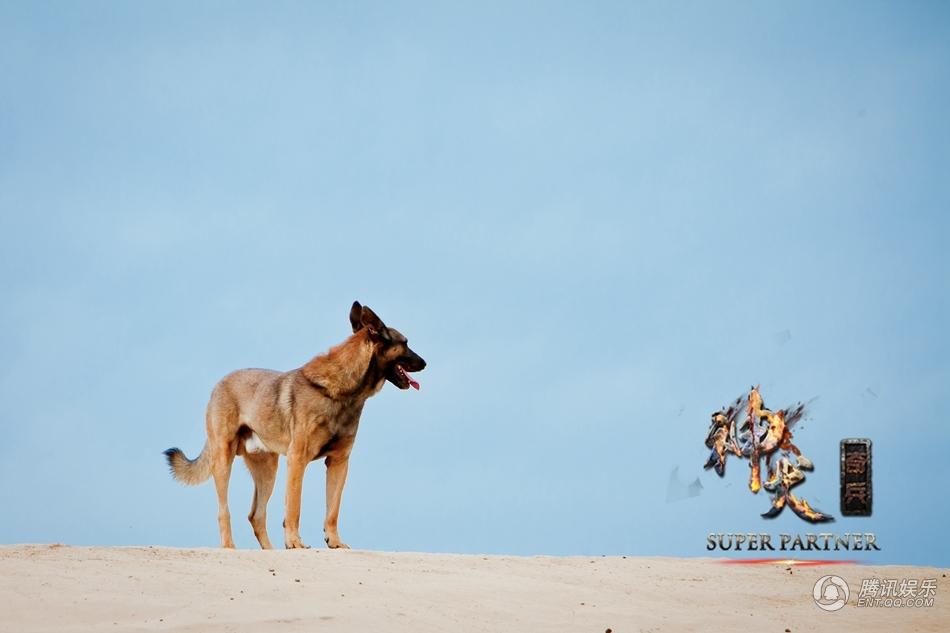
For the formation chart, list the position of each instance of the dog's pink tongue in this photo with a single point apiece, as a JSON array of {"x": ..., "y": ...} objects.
[{"x": 405, "y": 374}]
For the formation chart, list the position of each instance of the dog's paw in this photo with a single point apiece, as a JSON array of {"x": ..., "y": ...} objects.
[
  {"x": 295, "y": 543},
  {"x": 336, "y": 543}
]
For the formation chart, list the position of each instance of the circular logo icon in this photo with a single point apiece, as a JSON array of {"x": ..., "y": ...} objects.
[{"x": 831, "y": 593}]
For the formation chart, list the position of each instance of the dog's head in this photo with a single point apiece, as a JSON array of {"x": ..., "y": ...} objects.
[{"x": 393, "y": 356}]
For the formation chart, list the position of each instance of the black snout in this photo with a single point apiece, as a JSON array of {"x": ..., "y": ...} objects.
[{"x": 413, "y": 362}]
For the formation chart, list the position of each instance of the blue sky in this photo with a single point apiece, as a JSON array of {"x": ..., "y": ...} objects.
[{"x": 595, "y": 221}]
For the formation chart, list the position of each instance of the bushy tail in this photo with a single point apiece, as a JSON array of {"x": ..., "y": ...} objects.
[{"x": 189, "y": 471}]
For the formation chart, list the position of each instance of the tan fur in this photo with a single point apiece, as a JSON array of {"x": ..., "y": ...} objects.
[{"x": 308, "y": 413}]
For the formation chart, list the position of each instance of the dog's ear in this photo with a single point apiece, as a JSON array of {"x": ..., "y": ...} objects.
[
  {"x": 356, "y": 315},
  {"x": 369, "y": 319}
]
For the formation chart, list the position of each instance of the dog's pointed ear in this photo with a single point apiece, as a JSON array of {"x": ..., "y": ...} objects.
[
  {"x": 369, "y": 319},
  {"x": 356, "y": 315}
]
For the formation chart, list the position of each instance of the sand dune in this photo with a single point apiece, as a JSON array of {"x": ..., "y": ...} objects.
[{"x": 103, "y": 589}]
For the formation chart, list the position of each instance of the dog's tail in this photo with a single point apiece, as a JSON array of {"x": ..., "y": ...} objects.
[{"x": 189, "y": 471}]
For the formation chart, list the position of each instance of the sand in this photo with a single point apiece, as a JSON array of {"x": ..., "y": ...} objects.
[{"x": 106, "y": 589}]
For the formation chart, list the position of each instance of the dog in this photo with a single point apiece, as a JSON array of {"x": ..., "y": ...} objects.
[{"x": 308, "y": 413}]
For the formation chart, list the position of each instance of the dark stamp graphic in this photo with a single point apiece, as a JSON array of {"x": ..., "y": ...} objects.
[{"x": 856, "y": 477}]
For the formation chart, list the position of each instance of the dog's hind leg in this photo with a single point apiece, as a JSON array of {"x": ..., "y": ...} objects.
[
  {"x": 221, "y": 460},
  {"x": 223, "y": 425},
  {"x": 263, "y": 467}
]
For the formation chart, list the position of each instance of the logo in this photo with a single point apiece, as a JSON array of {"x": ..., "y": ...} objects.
[
  {"x": 831, "y": 593},
  {"x": 748, "y": 429}
]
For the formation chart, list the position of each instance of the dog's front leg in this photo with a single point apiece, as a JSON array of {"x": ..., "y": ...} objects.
[
  {"x": 336, "y": 478},
  {"x": 297, "y": 460}
]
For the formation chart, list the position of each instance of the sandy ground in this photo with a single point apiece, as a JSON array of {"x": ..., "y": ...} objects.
[{"x": 104, "y": 589}]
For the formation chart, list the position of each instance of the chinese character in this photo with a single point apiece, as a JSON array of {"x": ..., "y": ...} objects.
[
  {"x": 908, "y": 588},
  {"x": 869, "y": 588},
  {"x": 855, "y": 463},
  {"x": 747, "y": 428},
  {"x": 928, "y": 588},
  {"x": 889, "y": 587},
  {"x": 856, "y": 491}
]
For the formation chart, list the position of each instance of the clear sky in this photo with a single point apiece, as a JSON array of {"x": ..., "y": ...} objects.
[{"x": 598, "y": 222}]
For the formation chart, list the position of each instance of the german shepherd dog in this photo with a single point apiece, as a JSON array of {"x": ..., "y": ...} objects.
[{"x": 306, "y": 414}]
